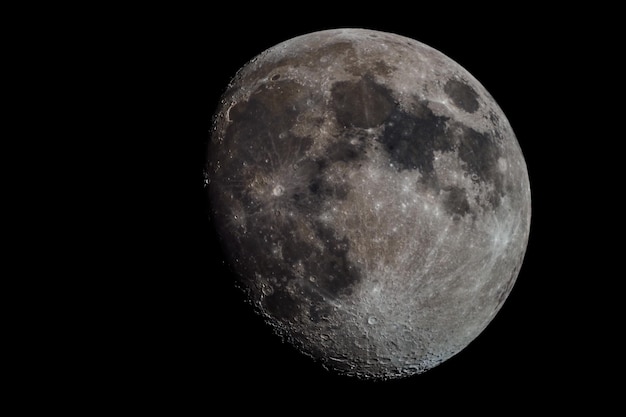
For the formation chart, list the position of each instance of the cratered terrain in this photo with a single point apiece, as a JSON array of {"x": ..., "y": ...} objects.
[{"x": 371, "y": 197}]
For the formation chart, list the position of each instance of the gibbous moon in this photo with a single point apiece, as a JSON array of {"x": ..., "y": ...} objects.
[{"x": 371, "y": 197}]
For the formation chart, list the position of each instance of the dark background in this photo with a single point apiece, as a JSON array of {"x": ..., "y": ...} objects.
[{"x": 544, "y": 345}]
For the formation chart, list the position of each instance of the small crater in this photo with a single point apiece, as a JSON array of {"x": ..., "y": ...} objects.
[
  {"x": 267, "y": 290},
  {"x": 318, "y": 313},
  {"x": 275, "y": 77},
  {"x": 278, "y": 190}
]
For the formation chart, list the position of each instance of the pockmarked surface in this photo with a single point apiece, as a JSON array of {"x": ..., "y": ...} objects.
[{"x": 372, "y": 198}]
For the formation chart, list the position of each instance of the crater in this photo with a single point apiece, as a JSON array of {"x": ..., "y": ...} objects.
[
  {"x": 462, "y": 95},
  {"x": 278, "y": 190},
  {"x": 318, "y": 311}
]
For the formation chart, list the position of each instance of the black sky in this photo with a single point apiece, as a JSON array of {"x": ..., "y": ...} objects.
[{"x": 542, "y": 344}]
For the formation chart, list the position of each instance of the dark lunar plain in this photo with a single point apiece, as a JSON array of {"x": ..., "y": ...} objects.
[{"x": 543, "y": 345}]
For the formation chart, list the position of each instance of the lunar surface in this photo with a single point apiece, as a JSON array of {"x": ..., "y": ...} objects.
[{"x": 371, "y": 197}]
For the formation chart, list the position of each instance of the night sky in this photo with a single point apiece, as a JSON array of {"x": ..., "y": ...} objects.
[{"x": 542, "y": 345}]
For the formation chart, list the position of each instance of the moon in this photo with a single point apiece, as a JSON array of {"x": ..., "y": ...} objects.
[{"x": 371, "y": 197}]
